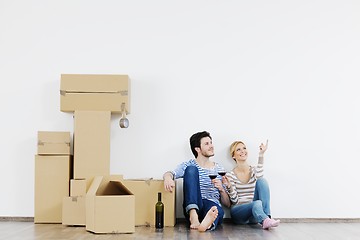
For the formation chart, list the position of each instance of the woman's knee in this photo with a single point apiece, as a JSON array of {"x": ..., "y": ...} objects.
[
  {"x": 237, "y": 216},
  {"x": 262, "y": 182},
  {"x": 237, "y": 210}
]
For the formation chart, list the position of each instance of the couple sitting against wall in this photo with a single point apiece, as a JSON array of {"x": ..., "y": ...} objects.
[{"x": 243, "y": 189}]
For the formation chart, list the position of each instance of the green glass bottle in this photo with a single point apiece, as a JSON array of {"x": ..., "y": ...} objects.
[{"x": 159, "y": 213}]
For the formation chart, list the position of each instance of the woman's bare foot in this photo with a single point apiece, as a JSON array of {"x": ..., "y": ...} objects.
[
  {"x": 194, "y": 219},
  {"x": 209, "y": 219}
]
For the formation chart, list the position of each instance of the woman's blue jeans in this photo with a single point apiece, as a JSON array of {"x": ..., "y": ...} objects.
[
  {"x": 193, "y": 200},
  {"x": 257, "y": 210}
]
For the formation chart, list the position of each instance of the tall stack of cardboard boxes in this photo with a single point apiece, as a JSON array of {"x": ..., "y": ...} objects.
[
  {"x": 102, "y": 202},
  {"x": 53, "y": 170}
]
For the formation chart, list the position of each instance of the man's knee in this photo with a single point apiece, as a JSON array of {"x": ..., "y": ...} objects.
[{"x": 191, "y": 170}]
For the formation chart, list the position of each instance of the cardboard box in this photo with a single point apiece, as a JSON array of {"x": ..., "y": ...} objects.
[
  {"x": 91, "y": 144},
  {"x": 110, "y": 206},
  {"x": 94, "y": 92},
  {"x": 77, "y": 187},
  {"x": 74, "y": 211},
  {"x": 52, "y": 176},
  {"x": 146, "y": 196},
  {"x": 53, "y": 143}
]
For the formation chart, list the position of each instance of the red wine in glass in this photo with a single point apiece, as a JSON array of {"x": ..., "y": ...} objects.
[
  {"x": 212, "y": 176},
  {"x": 222, "y": 173}
]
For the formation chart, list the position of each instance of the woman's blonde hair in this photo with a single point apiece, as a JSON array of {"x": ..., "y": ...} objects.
[{"x": 233, "y": 147}]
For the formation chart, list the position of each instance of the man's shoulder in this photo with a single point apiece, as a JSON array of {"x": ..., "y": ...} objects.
[{"x": 188, "y": 162}]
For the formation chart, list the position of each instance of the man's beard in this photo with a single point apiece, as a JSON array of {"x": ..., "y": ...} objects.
[{"x": 206, "y": 154}]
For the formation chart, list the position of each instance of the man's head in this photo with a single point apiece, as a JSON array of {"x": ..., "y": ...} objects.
[{"x": 201, "y": 142}]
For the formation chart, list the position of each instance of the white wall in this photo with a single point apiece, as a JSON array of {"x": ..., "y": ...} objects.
[{"x": 249, "y": 70}]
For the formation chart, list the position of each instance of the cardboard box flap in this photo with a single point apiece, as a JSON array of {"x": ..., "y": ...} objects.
[
  {"x": 114, "y": 188},
  {"x": 105, "y": 184},
  {"x": 42, "y": 143},
  {"x": 94, "y": 83},
  {"x": 94, "y": 185},
  {"x": 146, "y": 180},
  {"x": 53, "y": 138}
]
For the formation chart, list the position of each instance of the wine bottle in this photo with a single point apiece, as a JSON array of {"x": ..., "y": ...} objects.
[{"x": 159, "y": 213}]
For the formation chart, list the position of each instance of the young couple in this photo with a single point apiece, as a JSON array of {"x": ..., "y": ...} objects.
[{"x": 243, "y": 189}]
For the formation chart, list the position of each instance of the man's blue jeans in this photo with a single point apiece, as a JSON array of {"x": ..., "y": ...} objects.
[
  {"x": 255, "y": 211},
  {"x": 193, "y": 200}
]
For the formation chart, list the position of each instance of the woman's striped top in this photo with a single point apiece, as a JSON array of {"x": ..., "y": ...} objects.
[{"x": 241, "y": 192}]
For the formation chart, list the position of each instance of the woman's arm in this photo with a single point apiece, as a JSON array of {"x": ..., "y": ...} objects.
[
  {"x": 263, "y": 148},
  {"x": 229, "y": 183},
  {"x": 224, "y": 197}
]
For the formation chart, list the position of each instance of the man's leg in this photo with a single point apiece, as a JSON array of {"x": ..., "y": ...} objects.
[
  {"x": 211, "y": 215},
  {"x": 192, "y": 196}
]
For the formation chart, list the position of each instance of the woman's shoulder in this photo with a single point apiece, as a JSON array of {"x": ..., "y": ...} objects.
[
  {"x": 253, "y": 168},
  {"x": 231, "y": 174}
]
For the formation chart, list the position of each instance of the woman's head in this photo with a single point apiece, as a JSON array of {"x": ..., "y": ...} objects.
[{"x": 238, "y": 149}]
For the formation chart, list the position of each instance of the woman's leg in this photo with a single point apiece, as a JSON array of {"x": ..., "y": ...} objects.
[
  {"x": 262, "y": 193},
  {"x": 256, "y": 211},
  {"x": 240, "y": 214},
  {"x": 261, "y": 212}
]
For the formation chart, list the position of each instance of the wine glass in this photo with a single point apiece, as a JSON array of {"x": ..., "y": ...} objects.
[
  {"x": 212, "y": 174},
  {"x": 221, "y": 171}
]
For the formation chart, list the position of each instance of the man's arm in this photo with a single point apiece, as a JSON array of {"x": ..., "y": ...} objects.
[{"x": 169, "y": 183}]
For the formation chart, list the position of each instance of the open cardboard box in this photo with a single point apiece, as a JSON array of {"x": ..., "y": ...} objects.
[{"x": 110, "y": 206}]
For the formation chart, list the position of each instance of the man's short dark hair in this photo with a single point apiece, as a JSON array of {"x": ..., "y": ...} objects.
[{"x": 195, "y": 141}]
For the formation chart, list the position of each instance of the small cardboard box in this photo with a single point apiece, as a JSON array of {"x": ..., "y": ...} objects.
[
  {"x": 110, "y": 206},
  {"x": 53, "y": 143},
  {"x": 94, "y": 92},
  {"x": 77, "y": 187},
  {"x": 52, "y": 176},
  {"x": 146, "y": 196},
  {"x": 73, "y": 211}
]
